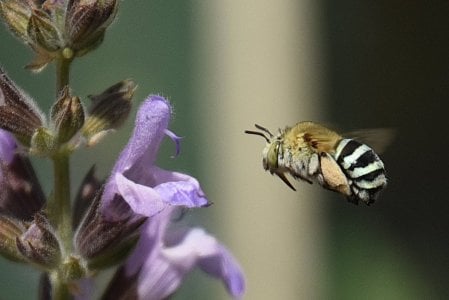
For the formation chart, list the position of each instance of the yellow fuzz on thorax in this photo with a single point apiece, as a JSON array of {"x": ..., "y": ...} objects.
[{"x": 313, "y": 136}]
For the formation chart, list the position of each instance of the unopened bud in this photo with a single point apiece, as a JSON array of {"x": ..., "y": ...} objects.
[
  {"x": 21, "y": 195},
  {"x": 85, "y": 196},
  {"x": 10, "y": 230},
  {"x": 86, "y": 22},
  {"x": 67, "y": 115},
  {"x": 16, "y": 15},
  {"x": 18, "y": 113},
  {"x": 42, "y": 32},
  {"x": 39, "y": 243},
  {"x": 105, "y": 243},
  {"x": 109, "y": 110}
]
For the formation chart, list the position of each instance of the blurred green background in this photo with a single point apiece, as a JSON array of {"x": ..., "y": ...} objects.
[{"x": 381, "y": 64}]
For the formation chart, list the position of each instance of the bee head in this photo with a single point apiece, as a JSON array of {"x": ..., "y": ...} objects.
[
  {"x": 271, "y": 151},
  {"x": 270, "y": 156}
]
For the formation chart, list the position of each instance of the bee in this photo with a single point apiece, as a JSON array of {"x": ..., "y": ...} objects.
[{"x": 313, "y": 153}]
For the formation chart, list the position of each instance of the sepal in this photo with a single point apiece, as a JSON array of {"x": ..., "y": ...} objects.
[
  {"x": 85, "y": 196},
  {"x": 16, "y": 15},
  {"x": 39, "y": 243},
  {"x": 109, "y": 110},
  {"x": 21, "y": 195},
  {"x": 43, "y": 142},
  {"x": 67, "y": 116},
  {"x": 86, "y": 22},
  {"x": 10, "y": 229},
  {"x": 43, "y": 33},
  {"x": 18, "y": 113},
  {"x": 103, "y": 243}
]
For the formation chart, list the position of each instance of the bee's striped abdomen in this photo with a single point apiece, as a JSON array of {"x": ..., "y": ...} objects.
[{"x": 364, "y": 169}]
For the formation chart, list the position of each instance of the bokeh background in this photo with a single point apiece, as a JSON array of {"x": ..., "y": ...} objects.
[{"x": 226, "y": 65}]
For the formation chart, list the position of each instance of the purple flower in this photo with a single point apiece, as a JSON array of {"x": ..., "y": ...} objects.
[
  {"x": 138, "y": 192},
  {"x": 163, "y": 257},
  {"x": 135, "y": 190},
  {"x": 7, "y": 147},
  {"x": 140, "y": 185},
  {"x": 21, "y": 195}
]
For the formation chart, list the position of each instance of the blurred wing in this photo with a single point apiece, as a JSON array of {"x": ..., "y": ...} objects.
[{"x": 378, "y": 139}]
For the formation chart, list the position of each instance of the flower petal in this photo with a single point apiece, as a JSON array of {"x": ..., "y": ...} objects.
[
  {"x": 7, "y": 147},
  {"x": 176, "y": 139},
  {"x": 146, "y": 188},
  {"x": 164, "y": 272},
  {"x": 151, "y": 122},
  {"x": 224, "y": 266},
  {"x": 147, "y": 201},
  {"x": 142, "y": 200},
  {"x": 180, "y": 188},
  {"x": 212, "y": 257}
]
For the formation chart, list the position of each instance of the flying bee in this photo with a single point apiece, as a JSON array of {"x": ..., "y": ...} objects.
[{"x": 311, "y": 152}]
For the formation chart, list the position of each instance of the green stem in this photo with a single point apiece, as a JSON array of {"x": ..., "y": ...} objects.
[
  {"x": 62, "y": 217},
  {"x": 59, "y": 290},
  {"x": 62, "y": 71},
  {"x": 61, "y": 212},
  {"x": 62, "y": 207},
  {"x": 61, "y": 164}
]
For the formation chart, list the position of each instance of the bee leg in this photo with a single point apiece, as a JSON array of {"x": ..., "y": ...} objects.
[
  {"x": 285, "y": 180},
  {"x": 333, "y": 176},
  {"x": 303, "y": 178},
  {"x": 300, "y": 171}
]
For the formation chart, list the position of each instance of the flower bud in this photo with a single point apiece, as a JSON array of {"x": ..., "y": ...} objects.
[
  {"x": 21, "y": 195},
  {"x": 54, "y": 26},
  {"x": 18, "y": 113},
  {"x": 67, "y": 115},
  {"x": 86, "y": 22},
  {"x": 109, "y": 110},
  {"x": 105, "y": 243},
  {"x": 10, "y": 229},
  {"x": 42, "y": 32},
  {"x": 39, "y": 243},
  {"x": 16, "y": 15},
  {"x": 85, "y": 197}
]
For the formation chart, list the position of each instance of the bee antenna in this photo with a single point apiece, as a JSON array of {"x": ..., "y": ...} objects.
[
  {"x": 264, "y": 130},
  {"x": 258, "y": 133}
]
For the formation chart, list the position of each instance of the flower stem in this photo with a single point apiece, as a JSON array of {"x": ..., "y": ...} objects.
[
  {"x": 61, "y": 164},
  {"x": 62, "y": 200},
  {"x": 63, "y": 69},
  {"x": 61, "y": 212},
  {"x": 63, "y": 218},
  {"x": 59, "y": 290}
]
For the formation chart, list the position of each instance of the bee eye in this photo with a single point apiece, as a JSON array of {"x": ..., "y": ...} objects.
[{"x": 272, "y": 155}]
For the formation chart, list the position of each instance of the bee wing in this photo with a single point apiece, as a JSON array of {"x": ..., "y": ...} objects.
[{"x": 378, "y": 138}]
